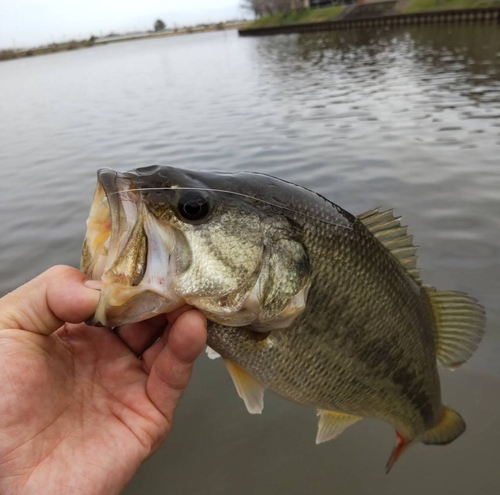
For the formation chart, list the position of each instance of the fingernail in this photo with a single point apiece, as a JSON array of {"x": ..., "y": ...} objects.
[{"x": 93, "y": 284}]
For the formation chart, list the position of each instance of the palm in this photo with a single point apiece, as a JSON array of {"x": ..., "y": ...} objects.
[
  {"x": 91, "y": 387},
  {"x": 80, "y": 411}
]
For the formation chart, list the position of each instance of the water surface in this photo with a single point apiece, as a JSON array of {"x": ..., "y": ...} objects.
[{"x": 401, "y": 118}]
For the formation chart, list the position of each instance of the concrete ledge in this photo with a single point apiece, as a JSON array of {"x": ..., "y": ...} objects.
[{"x": 459, "y": 16}]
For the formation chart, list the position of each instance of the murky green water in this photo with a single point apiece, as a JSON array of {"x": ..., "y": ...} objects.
[{"x": 402, "y": 118}]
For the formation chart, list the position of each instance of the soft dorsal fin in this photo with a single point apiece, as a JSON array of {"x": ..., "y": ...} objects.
[
  {"x": 460, "y": 322},
  {"x": 393, "y": 236},
  {"x": 248, "y": 388},
  {"x": 332, "y": 424}
]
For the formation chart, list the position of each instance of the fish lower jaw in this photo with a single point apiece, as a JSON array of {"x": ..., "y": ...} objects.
[{"x": 120, "y": 305}]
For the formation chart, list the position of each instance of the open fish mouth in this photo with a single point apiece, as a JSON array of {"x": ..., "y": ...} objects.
[{"x": 127, "y": 250}]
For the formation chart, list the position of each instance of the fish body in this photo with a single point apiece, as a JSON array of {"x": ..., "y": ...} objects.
[{"x": 303, "y": 298}]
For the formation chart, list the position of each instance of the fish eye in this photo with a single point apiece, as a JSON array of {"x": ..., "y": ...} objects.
[{"x": 193, "y": 206}]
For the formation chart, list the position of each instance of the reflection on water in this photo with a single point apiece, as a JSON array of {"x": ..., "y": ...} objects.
[{"x": 401, "y": 118}]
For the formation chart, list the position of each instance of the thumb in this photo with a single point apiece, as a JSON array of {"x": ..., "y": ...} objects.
[{"x": 49, "y": 300}]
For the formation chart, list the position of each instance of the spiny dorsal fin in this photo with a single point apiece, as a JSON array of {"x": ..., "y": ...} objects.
[
  {"x": 460, "y": 322},
  {"x": 248, "y": 388},
  {"x": 332, "y": 424},
  {"x": 450, "y": 427},
  {"x": 393, "y": 236}
]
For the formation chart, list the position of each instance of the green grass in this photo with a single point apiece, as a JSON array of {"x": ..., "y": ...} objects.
[
  {"x": 298, "y": 16},
  {"x": 421, "y": 5}
]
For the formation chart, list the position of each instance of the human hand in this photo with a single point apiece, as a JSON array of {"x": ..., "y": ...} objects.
[{"x": 79, "y": 411}]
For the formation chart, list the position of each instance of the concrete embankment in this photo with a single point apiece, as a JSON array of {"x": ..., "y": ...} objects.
[{"x": 459, "y": 16}]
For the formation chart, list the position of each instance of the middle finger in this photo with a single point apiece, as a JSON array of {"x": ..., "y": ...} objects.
[{"x": 139, "y": 336}]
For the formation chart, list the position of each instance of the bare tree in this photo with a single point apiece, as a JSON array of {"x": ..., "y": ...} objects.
[{"x": 255, "y": 6}]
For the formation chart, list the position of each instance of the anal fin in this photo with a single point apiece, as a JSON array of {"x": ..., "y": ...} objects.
[
  {"x": 332, "y": 424},
  {"x": 248, "y": 388}
]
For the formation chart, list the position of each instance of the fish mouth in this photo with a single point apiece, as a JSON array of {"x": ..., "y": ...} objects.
[{"x": 129, "y": 252}]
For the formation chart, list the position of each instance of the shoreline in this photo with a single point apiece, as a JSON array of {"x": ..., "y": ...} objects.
[
  {"x": 490, "y": 15},
  {"x": 11, "y": 54}
]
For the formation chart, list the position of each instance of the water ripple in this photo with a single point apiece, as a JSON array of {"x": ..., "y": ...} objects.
[{"x": 405, "y": 118}]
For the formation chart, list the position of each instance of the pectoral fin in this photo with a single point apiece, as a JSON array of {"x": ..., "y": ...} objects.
[
  {"x": 332, "y": 424},
  {"x": 248, "y": 388}
]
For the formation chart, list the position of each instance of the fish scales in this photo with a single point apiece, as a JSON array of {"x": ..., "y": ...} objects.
[
  {"x": 376, "y": 327},
  {"x": 303, "y": 298}
]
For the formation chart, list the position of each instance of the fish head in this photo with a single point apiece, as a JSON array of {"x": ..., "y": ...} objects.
[{"x": 161, "y": 237}]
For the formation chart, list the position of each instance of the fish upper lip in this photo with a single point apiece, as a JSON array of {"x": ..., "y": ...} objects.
[
  {"x": 127, "y": 212},
  {"x": 114, "y": 183},
  {"x": 107, "y": 177},
  {"x": 108, "y": 180}
]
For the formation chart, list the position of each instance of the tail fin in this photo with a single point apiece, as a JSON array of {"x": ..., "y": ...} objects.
[
  {"x": 448, "y": 429},
  {"x": 460, "y": 322}
]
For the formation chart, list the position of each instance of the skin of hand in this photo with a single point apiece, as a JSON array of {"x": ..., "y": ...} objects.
[{"x": 79, "y": 411}]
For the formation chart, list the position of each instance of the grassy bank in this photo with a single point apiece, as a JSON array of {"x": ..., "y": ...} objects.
[
  {"x": 297, "y": 17},
  {"x": 300, "y": 16},
  {"x": 422, "y": 5}
]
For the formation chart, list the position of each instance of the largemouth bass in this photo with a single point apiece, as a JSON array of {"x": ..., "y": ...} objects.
[{"x": 303, "y": 298}]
